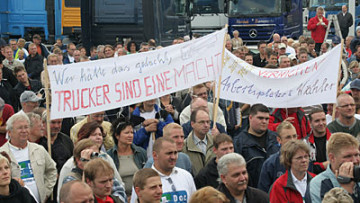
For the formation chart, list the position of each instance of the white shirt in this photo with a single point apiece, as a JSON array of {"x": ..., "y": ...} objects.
[
  {"x": 180, "y": 190},
  {"x": 300, "y": 184},
  {"x": 23, "y": 159}
]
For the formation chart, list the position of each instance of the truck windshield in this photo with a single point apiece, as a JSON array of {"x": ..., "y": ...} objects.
[
  {"x": 176, "y": 7},
  {"x": 254, "y": 7},
  {"x": 327, "y": 3},
  {"x": 208, "y": 6}
]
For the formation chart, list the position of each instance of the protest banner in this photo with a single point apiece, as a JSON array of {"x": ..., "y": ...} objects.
[
  {"x": 94, "y": 86},
  {"x": 310, "y": 83}
]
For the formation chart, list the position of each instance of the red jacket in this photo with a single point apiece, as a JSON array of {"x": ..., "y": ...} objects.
[
  {"x": 317, "y": 31},
  {"x": 300, "y": 122},
  {"x": 284, "y": 190}
]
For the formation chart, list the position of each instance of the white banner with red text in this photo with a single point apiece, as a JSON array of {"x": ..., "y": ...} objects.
[
  {"x": 310, "y": 83},
  {"x": 94, "y": 86}
]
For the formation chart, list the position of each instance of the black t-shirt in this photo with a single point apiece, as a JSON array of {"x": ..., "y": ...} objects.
[
  {"x": 320, "y": 143},
  {"x": 260, "y": 140}
]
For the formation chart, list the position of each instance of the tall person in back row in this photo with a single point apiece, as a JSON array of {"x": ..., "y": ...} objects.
[
  {"x": 345, "y": 21},
  {"x": 317, "y": 25}
]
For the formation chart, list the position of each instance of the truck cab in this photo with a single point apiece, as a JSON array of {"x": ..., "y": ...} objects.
[{"x": 258, "y": 20}]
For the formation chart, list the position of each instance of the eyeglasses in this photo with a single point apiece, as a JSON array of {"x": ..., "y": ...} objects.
[
  {"x": 173, "y": 188},
  {"x": 347, "y": 105}
]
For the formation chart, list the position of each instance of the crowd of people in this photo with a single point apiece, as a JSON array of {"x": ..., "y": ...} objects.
[{"x": 174, "y": 149}]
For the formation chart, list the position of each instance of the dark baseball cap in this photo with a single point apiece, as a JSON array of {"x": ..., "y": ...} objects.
[{"x": 355, "y": 84}]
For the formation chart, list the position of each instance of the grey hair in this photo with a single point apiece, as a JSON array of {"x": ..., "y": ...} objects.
[
  {"x": 320, "y": 8},
  {"x": 32, "y": 117},
  {"x": 20, "y": 116},
  {"x": 282, "y": 57},
  {"x": 231, "y": 158}
]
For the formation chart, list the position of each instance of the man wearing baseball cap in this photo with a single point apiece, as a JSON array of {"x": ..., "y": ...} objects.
[
  {"x": 29, "y": 101},
  {"x": 355, "y": 92}
]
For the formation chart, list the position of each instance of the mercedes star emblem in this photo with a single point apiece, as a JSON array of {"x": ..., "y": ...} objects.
[{"x": 253, "y": 33}]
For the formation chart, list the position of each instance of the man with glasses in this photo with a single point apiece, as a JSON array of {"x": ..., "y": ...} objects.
[
  {"x": 256, "y": 143},
  {"x": 200, "y": 91},
  {"x": 343, "y": 153},
  {"x": 99, "y": 118},
  {"x": 346, "y": 122},
  {"x": 199, "y": 144},
  {"x": 29, "y": 161}
]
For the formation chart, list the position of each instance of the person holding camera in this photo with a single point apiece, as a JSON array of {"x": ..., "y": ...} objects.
[
  {"x": 84, "y": 151},
  {"x": 343, "y": 170}
]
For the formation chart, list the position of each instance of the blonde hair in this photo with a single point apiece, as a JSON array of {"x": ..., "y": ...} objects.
[
  {"x": 167, "y": 129},
  {"x": 339, "y": 141},
  {"x": 353, "y": 64},
  {"x": 208, "y": 195},
  {"x": 337, "y": 195}
]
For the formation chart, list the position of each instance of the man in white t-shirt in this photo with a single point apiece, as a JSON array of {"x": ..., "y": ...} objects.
[
  {"x": 29, "y": 161},
  {"x": 177, "y": 184}
]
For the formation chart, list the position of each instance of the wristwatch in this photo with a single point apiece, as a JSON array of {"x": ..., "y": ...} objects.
[{"x": 344, "y": 180}]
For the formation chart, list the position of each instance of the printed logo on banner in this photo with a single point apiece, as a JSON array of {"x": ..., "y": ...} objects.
[{"x": 172, "y": 197}]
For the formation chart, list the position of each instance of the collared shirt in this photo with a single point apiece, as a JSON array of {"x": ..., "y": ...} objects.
[
  {"x": 300, "y": 184},
  {"x": 201, "y": 144}
]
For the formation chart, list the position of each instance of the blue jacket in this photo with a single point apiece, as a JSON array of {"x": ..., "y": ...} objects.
[
  {"x": 141, "y": 137},
  {"x": 187, "y": 128},
  {"x": 270, "y": 171},
  {"x": 324, "y": 182},
  {"x": 139, "y": 156},
  {"x": 254, "y": 155}
]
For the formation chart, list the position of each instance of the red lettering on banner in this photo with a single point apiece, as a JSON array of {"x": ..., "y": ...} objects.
[
  {"x": 197, "y": 70},
  {"x": 82, "y": 98},
  {"x": 78, "y": 100},
  {"x": 97, "y": 96},
  {"x": 106, "y": 91},
  {"x": 161, "y": 82},
  {"x": 91, "y": 100},
  {"x": 129, "y": 89},
  {"x": 139, "y": 87},
  {"x": 147, "y": 86},
  {"x": 152, "y": 78},
  {"x": 166, "y": 80},
  {"x": 118, "y": 91},
  {"x": 178, "y": 74},
  {"x": 190, "y": 71},
  {"x": 211, "y": 65},
  {"x": 67, "y": 98}
]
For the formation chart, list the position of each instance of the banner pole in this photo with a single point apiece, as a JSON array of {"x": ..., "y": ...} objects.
[
  {"x": 216, "y": 105},
  {"x": 47, "y": 102},
  {"x": 339, "y": 77}
]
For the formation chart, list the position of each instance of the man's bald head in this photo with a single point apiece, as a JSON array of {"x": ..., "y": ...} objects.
[{"x": 76, "y": 191}]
